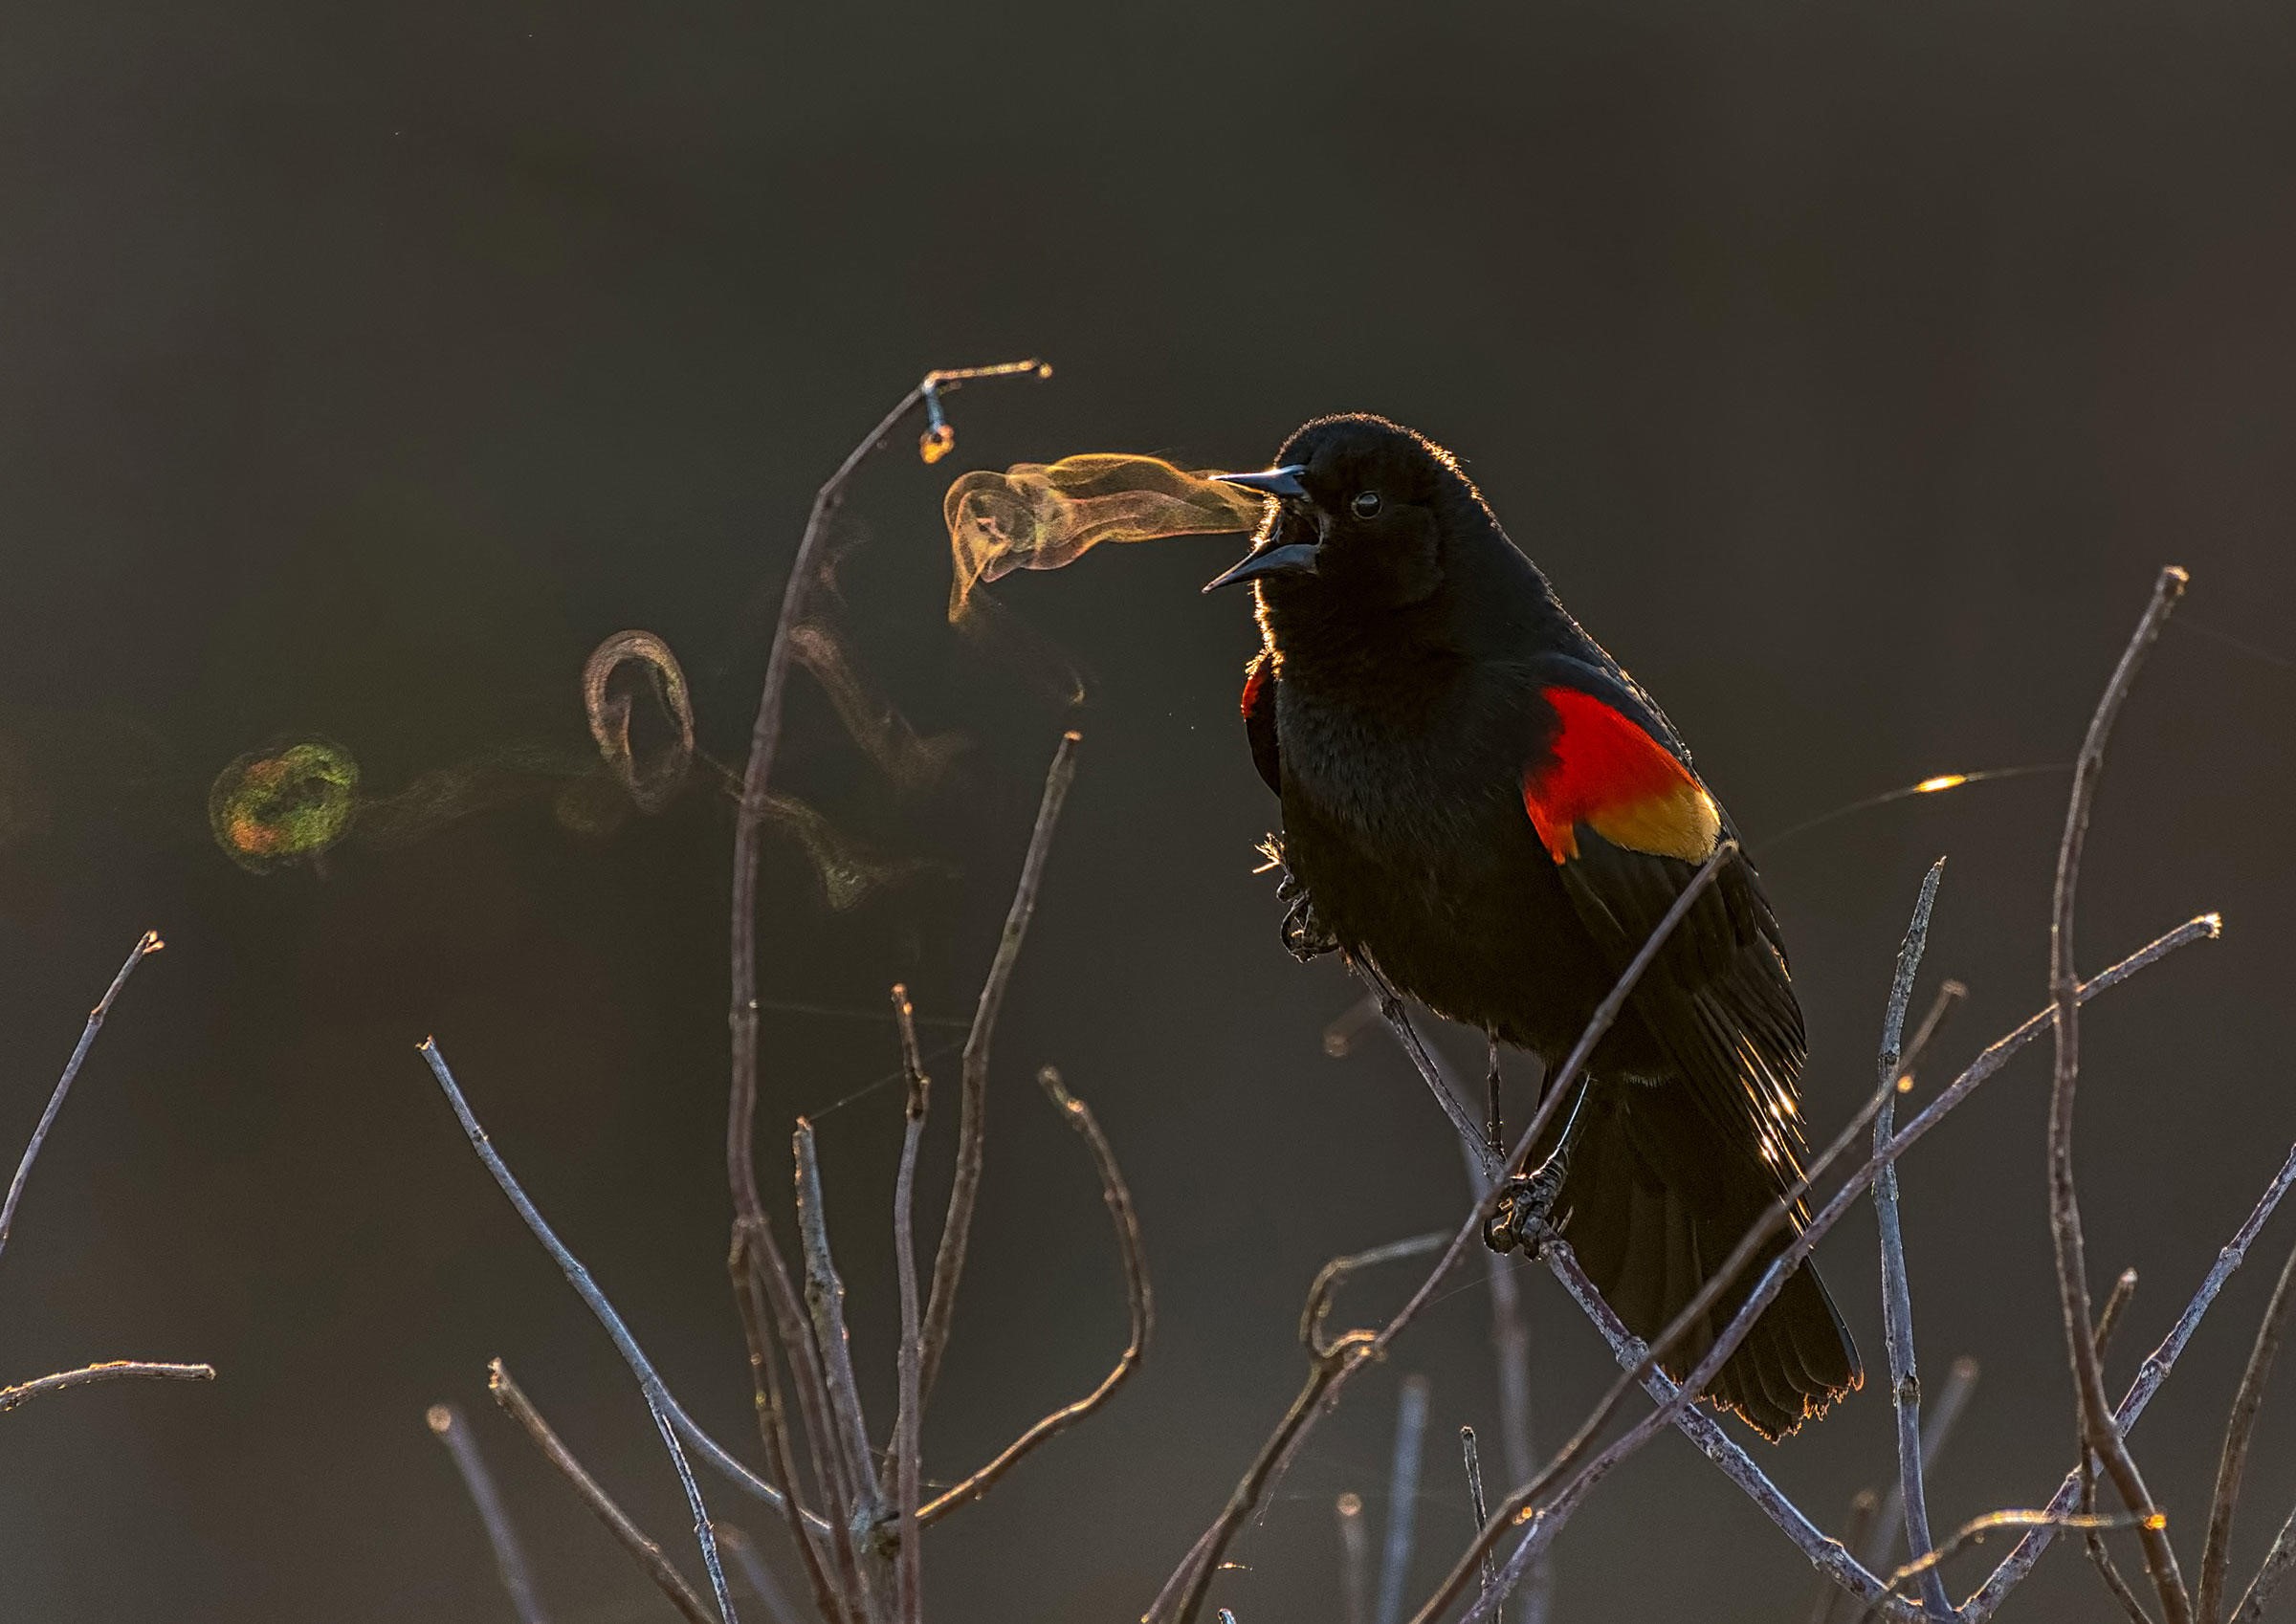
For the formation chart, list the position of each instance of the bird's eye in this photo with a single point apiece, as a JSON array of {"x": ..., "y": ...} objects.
[{"x": 1366, "y": 504}]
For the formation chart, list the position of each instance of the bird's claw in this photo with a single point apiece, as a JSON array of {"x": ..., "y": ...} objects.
[
  {"x": 1525, "y": 1213},
  {"x": 1305, "y": 937}
]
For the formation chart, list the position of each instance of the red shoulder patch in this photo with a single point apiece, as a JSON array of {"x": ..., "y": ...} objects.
[
  {"x": 1255, "y": 688},
  {"x": 1605, "y": 773}
]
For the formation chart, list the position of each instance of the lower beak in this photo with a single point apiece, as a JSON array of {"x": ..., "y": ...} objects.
[{"x": 1293, "y": 557}]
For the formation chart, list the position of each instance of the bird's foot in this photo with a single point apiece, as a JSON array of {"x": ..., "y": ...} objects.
[
  {"x": 1525, "y": 1213},
  {"x": 1305, "y": 937}
]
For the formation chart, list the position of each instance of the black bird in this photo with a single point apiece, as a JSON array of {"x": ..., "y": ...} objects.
[{"x": 1480, "y": 800}]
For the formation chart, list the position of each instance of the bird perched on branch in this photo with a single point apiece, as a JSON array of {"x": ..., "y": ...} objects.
[{"x": 1477, "y": 799}]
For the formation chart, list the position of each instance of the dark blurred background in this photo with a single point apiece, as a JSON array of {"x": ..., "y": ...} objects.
[{"x": 1851, "y": 373}]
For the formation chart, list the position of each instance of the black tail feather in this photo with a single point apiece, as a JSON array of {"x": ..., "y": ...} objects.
[{"x": 1651, "y": 1205}]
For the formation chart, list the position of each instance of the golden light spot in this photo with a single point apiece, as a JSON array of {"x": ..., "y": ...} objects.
[{"x": 1943, "y": 780}]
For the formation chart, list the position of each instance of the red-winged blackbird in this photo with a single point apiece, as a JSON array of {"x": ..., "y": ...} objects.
[{"x": 1479, "y": 800}]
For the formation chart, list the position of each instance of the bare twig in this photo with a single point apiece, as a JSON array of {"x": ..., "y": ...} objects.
[
  {"x": 2278, "y": 1563},
  {"x": 1974, "y": 1532},
  {"x": 1390, "y": 1005},
  {"x": 1936, "y": 1429},
  {"x": 1330, "y": 1359},
  {"x": 1679, "y": 1401},
  {"x": 1864, "y": 1512},
  {"x": 2097, "y": 1429},
  {"x": 147, "y": 944},
  {"x": 972, "y": 1122},
  {"x": 2116, "y": 1303},
  {"x": 759, "y": 1577},
  {"x": 1475, "y": 1503},
  {"x": 658, "y": 1401},
  {"x": 1139, "y": 1306},
  {"x": 1897, "y": 1297},
  {"x": 908, "y": 1425},
  {"x": 764, "y": 741},
  {"x": 111, "y": 1370},
  {"x": 2150, "y": 1375},
  {"x": 2239, "y": 1426},
  {"x": 1828, "y": 1556},
  {"x": 1403, "y": 1498},
  {"x": 1517, "y": 1508},
  {"x": 819, "y": 1545},
  {"x": 1355, "y": 1561},
  {"x": 768, "y": 1285},
  {"x": 647, "y": 1552},
  {"x": 447, "y": 1426},
  {"x": 825, "y": 1303}
]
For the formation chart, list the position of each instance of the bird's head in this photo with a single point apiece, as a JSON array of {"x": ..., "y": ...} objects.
[{"x": 1360, "y": 510}]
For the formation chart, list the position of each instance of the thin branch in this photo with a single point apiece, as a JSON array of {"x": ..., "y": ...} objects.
[
  {"x": 447, "y": 1426},
  {"x": 647, "y": 1552},
  {"x": 147, "y": 944},
  {"x": 909, "y": 1424},
  {"x": 1139, "y": 1307},
  {"x": 2116, "y": 1303},
  {"x": 756, "y": 1574},
  {"x": 1974, "y": 1532},
  {"x": 1329, "y": 1360},
  {"x": 2097, "y": 1429},
  {"x": 812, "y": 1535},
  {"x": 1938, "y": 1425},
  {"x": 658, "y": 1401},
  {"x": 764, "y": 741},
  {"x": 1355, "y": 1561},
  {"x": 1475, "y": 1503},
  {"x": 1518, "y": 1506},
  {"x": 2278, "y": 1563},
  {"x": 2239, "y": 1426},
  {"x": 1828, "y": 1556},
  {"x": 88, "y": 1376},
  {"x": 1390, "y": 1004},
  {"x": 2150, "y": 1375},
  {"x": 825, "y": 1303},
  {"x": 1403, "y": 1498},
  {"x": 1680, "y": 1401},
  {"x": 1865, "y": 1513},
  {"x": 768, "y": 1285},
  {"x": 972, "y": 1120},
  {"x": 1897, "y": 1296}
]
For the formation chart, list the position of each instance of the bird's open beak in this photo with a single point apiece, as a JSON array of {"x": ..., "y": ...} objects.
[{"x": 1292, "y": 557}]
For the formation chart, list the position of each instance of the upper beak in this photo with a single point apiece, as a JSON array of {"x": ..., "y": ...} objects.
[{"x": 1269, "y": 482}]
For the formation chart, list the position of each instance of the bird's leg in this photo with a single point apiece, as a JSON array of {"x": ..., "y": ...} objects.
[
  {"x": 1524, "y": 1216},
  {"x": 1305, "y": 937},
  {"x": 1495, "y": 1128}
]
